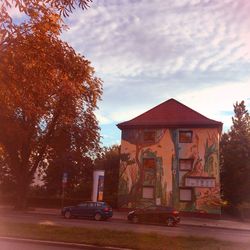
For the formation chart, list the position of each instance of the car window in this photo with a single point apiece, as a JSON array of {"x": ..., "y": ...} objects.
[
  {"x": 151, "y": 208},
  {"x": 143, "y": 205},
  {"x": 82, "y": 205},
  {"x": 91, "y": 204},
  {"x": 168, "y": 209}
]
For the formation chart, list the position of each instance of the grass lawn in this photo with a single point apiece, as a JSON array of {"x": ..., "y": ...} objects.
[{"x": 104, "y": 237}]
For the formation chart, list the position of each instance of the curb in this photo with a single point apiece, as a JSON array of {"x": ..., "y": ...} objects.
[
  {"x": 61, "y": 244},
  {"x": 217, "y": 227}
]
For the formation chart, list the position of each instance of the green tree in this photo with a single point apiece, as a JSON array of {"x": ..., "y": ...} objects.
[
  {"x": 235, "y": 158},
  {"x": 68, "y": 154},
  {"x": 44, "y": 85}
]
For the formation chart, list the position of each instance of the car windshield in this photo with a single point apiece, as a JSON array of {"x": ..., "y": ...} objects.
[{"x": 82, "y": 205}]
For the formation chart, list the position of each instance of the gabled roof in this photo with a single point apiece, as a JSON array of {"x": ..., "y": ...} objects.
[{"x": 170, "y": 114}]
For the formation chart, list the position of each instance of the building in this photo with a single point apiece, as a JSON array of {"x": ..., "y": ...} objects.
[{"x": 170, "y": 156}]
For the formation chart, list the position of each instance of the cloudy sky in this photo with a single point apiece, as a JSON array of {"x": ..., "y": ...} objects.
[{"x": 147, "y": 51}]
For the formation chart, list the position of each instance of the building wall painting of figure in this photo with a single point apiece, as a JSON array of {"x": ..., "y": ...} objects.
[{"x": 175, "y": 167}]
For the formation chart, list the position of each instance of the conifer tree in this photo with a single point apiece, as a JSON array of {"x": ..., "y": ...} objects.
[{"x": 235, "y": 158}]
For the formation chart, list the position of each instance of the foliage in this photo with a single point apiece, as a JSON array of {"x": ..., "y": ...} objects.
[
  {"x": 44, "y": 87},
  {"x": 109, "y": 160},
  {"x": 235, "y": 157},
  {"x": 68, "y": 154},
  {"x": 40, "y": 14},
  {"x": 6, "y": 181},
  {"x": 209, "y": 151}
]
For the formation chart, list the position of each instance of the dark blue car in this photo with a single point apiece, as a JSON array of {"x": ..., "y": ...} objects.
[
  {"x": 89, "y": 209},
  {"x": 155, "y": 214}
]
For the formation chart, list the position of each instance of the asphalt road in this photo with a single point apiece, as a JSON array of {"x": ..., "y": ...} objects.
[
  {"x": 122, "y": 225},
  {"x": 19, "y": 244}
]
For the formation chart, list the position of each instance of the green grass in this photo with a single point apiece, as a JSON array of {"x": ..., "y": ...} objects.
[{"x": 104, "y": 237}]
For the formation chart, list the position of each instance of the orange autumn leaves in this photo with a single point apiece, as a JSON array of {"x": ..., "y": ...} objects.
[
  {"x": 44, "y": 84},
  {"x": 43, "y": 15},
  {"x": 38, "y": 71}
]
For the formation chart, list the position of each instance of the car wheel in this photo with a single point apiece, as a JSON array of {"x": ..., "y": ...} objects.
[
  {"x": 98, "y": 216},
  {"x": 67, "y": 215},
  {"x": 135, "y": 219},
  {"x": 170, "y": 222}
]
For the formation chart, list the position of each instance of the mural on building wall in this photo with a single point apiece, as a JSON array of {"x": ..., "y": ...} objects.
[
  {"x": 134, "y": 174},
  {"x": 175, "y": 175},
  {"x": 200, "y": 181},
  {"x": 203, "y": 177}
]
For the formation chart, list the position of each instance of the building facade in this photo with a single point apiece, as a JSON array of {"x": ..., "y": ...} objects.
[{"x": 170, "y": 156}]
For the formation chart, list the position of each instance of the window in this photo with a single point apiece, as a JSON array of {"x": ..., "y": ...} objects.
[
  {"x": 149, "y": 178},
  {"x": 148, "y": 192},
  {"x": 185, "y": 194},
  {"x": 149, "y": 136},
  {"x": 186, "y": 164},
  {"x": 149, "y": 165},
  {"x": 185, "y": 136}
]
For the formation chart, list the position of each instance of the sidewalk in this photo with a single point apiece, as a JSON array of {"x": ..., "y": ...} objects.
[{"x": 186, "y": 221}]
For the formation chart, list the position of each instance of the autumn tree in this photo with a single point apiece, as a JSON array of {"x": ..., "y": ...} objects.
[
  {"x": 44, "y": 85},
  {"x": 235, "y": 158},
  {"x": 36, "y": 10}
]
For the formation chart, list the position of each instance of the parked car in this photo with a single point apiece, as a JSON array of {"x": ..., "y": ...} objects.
[
  {"x": 155, "y": 214},
  {"x": 89, "y": 209}
]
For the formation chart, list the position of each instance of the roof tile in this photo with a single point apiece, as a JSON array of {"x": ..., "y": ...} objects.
[{"x": 170, "y": 113}]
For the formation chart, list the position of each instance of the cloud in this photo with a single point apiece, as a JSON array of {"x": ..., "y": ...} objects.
[
  {"x": 197, "y": 51},
  {"x": 101, "y": 118},
  {"x": 217, "y": 102},
  {"x": 161, "y": 37},
  {"x": 15, "y": 13}
]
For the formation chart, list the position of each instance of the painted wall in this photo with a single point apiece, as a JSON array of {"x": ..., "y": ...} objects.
[{"x": 167, "y": 178}]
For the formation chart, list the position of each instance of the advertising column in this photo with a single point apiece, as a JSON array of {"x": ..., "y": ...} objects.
[{"x": 98, "y": 185}]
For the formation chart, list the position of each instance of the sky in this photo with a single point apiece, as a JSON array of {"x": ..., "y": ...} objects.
[{"x": 148, "y": 51}]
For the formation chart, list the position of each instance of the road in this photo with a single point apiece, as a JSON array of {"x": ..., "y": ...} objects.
[
  {"x": 19, "y": 244},
  {"x": 122, "y": 225}
]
